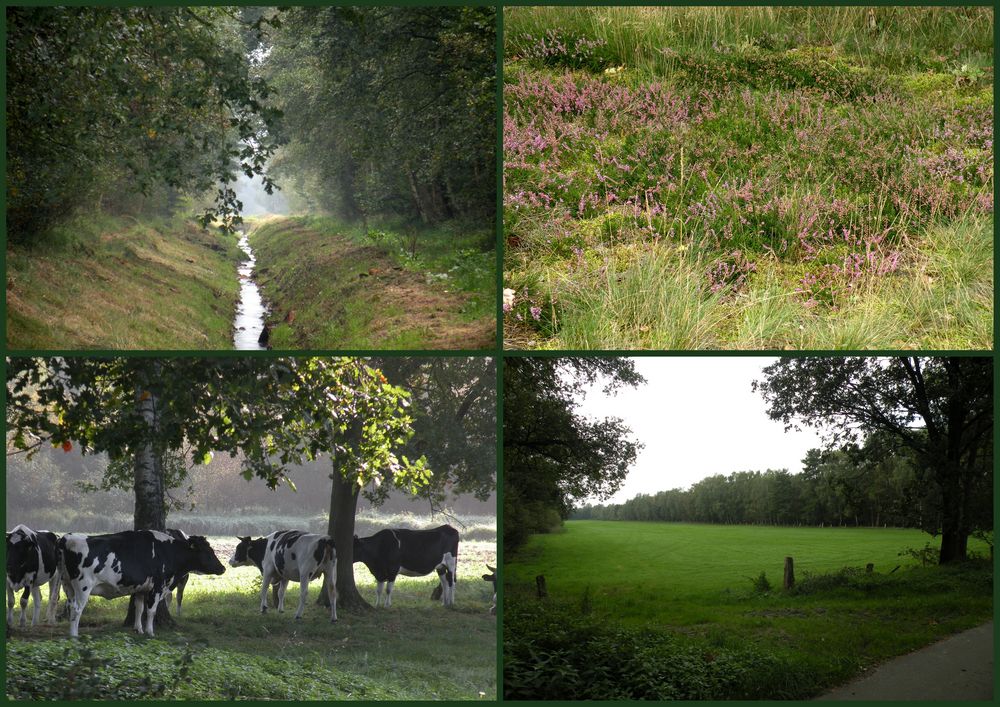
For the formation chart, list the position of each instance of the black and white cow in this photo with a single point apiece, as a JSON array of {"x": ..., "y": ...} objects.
[
  {"x": 181, "y": 582},
  {"x": 291, "y": 555},
  {"x": 145, "y": 564},
  {"x": 31, "y": 563},
  {"x": 251, "y": 552},
  {"x": 412, "y": 553},
  {"x": 492, "y": 579}
]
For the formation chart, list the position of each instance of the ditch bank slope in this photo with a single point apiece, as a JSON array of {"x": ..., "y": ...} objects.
[
  {"x": 122, "y": 283},
  {"x": 327, "y": 292}
]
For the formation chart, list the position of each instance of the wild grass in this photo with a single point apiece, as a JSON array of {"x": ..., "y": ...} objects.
[
  {"x": 329, "y": 289},
  {"x": 748, "y": 177},
  {"x": 121, "y": 283},
  {"x": 694, "y": 592},
  {"x": 415, "y": 650}
]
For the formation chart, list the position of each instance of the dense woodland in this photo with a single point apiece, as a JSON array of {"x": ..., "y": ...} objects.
[{"x": 367, "y": 113}]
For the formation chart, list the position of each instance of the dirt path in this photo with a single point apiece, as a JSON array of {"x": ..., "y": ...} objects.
[{"x": 956, "y": 668}]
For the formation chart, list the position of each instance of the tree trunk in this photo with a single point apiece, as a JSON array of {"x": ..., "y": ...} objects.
[
  {"x": 954, "y": 536},
  {"x": 150, "y": 494},
  {"x": 343, "y": 507},
  {"x": 416, "y": 196}
]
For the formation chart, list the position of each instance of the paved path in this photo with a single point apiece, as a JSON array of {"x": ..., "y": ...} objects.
[{"x": 956, "y": 668}]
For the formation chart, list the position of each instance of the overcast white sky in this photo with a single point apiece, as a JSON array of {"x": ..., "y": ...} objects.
[{"x": 698, "y": 416}]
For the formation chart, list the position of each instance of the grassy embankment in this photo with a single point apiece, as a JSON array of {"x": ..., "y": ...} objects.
[
  {"x": 415, "y": 650},
  {"x": 121, "y": 283},
  {"x": 341, "y": 288},
  {"x": 691, "y": 178},
  {"x": 671, "y": 610}
]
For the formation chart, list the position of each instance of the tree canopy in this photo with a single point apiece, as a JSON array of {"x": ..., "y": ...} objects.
[
  {"x": 553, "y": 456},
  {"x": 105, "y": 103},
  {"x": 938, "y": 408},
  {"x": 390, "y": 110}
]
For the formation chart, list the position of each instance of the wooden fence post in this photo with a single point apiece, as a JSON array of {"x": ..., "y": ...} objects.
[
  {"x": 789, "y": 581},
  {"x": 540, "y": 586}
]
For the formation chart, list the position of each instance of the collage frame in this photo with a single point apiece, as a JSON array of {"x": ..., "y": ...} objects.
[{"x": 499, "y": 354}]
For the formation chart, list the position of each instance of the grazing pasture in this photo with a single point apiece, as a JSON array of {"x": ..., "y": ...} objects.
[
  {"x": 679, "y": 610},
  {"x": 222, "y": 647}
]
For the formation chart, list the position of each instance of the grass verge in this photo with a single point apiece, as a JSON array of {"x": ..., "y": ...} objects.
[
  {"x": 331, "y": 289},
  {"x": 121, "y": 283}
]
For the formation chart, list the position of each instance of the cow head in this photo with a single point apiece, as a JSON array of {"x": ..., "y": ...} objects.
[
  {"x": 492, "y": 576},
  {"x": 241, "y": 555},
  {"x": 203, "y": 559}
]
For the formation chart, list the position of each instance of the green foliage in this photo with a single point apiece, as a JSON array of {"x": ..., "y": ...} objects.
[
  {"x": 761, "y": 584},
  {"x": 407, "y": 106},
  {"x": 125, "y": 100},
  {"x": 92, "y": 670},
  {"x": 553, "y": 653},
  {"x": 553, "y": 455},
  {"x": 926, "y": 555},
  {"x": 939, "y": 409}
]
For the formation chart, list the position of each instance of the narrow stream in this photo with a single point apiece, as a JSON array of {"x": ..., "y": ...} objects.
[{"x": 251, "y": 311}]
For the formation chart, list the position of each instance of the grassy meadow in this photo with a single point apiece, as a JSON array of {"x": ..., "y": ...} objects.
[
  {"x": 332, "y": 286},
  {"x": 675, "y": 610},
  {"x": 748, "y": 178},
  {"x": 223, "y": 648},
  {"x": 121, "y": 283}
]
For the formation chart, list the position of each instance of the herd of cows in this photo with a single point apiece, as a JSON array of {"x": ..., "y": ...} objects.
[{"x": 150, "y": 565}]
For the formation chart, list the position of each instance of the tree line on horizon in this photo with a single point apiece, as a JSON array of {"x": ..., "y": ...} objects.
[{"x": 844, "y": 487}]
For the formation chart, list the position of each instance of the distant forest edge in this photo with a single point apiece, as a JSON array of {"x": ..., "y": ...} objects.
[
  {"x": 366, "y": 113},
  {"x": 836, "y": 488}
]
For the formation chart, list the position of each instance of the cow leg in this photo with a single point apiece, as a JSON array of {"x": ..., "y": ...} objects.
[
  {"x": 50, "y": 613},
  {"x": 77, "y": 603},
  {"x": 24, "y": 604},
  {"x": 451, "y": 562},
  {"x": 303, "y": 595},
  {"x": 331, "y": 590},
  {"x": 180, "y": 592},
  {"x": 138, "y": 602},
  {"x": 11, "y": 600},
  {"x": 36, "y": 612},
  {"x": 388, "y": 592},
  {"x": 265, "y": 582},
  {"x": 153, "y": 598},
  {"x": 379, "y": 586},
  {"x": 281, "y": 586}
]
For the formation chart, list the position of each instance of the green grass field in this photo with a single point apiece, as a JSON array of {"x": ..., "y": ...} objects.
[
  {"x": 692, "y": 586},
  {"x": 748, "y": 177},
  {"x": 415, "y": 650}
]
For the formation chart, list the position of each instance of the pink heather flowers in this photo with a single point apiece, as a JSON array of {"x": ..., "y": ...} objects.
[{"x": 792, "y": 161}]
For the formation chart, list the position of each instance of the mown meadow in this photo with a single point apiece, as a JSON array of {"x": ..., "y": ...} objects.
[
  {"x": 700, "y": 178},
  {"x": 692, "y": 611},
  {"x": 223, "y": 648}
]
